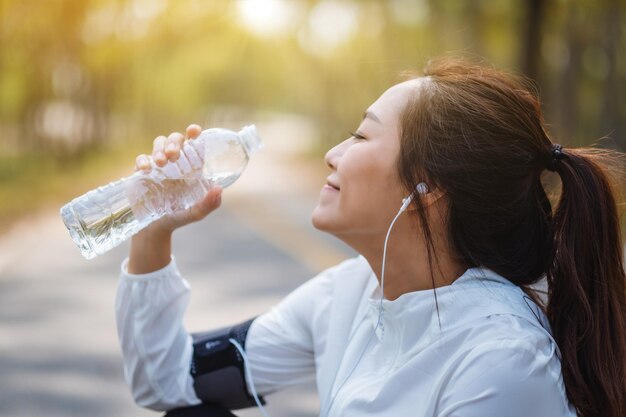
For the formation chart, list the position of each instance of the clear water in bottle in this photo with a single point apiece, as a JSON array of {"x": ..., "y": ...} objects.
[{"x": 107, "y": 216}]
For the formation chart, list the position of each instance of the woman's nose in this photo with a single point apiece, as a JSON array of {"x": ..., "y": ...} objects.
[{"x": 334, "y": 155}]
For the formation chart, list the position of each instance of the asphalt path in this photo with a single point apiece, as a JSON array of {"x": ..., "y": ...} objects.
[{"x": 59, "y": 354}]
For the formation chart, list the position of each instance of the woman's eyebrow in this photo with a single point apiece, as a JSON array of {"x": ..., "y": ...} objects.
[{"x": 370, "y": 115}]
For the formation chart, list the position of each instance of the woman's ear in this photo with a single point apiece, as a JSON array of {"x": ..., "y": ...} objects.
[
  {"x": 426, "y": 195},
  {"x": 431, "y": 197}
]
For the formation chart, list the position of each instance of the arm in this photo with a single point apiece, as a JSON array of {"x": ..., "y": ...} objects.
[
  {"x": 151, "y": 248},
  {"x": 149, "y": 251},
  {"x": 163, "y": 365},
  {"x": 155, "y": 346},
  {"x": 152, "y": 298},
  {"x": 168, "y": 368}
]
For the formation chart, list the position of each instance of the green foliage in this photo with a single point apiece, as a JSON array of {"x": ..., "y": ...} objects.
[{"x": 77, "y": 75}]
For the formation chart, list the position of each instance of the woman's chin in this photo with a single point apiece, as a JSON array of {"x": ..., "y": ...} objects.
[{"x": 321, "y": 221}]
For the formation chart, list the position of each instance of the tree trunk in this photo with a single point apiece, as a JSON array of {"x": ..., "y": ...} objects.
[
  {"x": 531, "y": 49},
  {"x": 569, "y": 120},
  {"x": 610, "y": 121}
]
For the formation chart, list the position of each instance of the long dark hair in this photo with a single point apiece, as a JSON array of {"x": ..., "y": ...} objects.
[{"x": 478, "y": 134}]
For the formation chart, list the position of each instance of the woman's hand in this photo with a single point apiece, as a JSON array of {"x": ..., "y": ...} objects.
[
  {"x": 151, "y": 247},
  {"x": 164, "y": 150}
]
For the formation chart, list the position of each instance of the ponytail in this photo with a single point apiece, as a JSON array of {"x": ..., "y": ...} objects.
[
  {"x": 586, "y": 284},
  {"x": 477, "y": 133}
]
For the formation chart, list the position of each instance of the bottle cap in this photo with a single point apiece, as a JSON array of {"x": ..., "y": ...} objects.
[{"x": 250, "y": 139}]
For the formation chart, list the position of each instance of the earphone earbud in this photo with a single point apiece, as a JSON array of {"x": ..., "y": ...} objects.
[
  {"x": 421, "y": 189},
  {"x": 405, "y": 202}
]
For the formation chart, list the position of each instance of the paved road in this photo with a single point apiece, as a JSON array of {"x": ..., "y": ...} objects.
[{"x": 58, "y": 345}]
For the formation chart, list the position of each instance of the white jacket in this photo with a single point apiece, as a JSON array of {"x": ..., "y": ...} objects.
[{"x": 491, "y": 354}]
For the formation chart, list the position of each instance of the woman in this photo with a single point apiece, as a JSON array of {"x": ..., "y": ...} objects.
[{"x": 440, "y": 192}]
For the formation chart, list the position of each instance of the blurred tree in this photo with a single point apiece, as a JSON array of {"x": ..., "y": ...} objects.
[
  {"x": 570, "y": 80},
  {"x": 613, "y": 91},
  {"x": 77, "y": 74},
  {"x": 535, "y": 13}
]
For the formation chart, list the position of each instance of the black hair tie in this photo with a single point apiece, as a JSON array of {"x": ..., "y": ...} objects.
[{"x": 555, "y": 157}]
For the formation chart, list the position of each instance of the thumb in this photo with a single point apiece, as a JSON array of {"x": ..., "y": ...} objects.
[{"x": 211, "y": 201}]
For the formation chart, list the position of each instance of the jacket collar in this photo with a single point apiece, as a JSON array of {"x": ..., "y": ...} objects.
[{"x": 413, "y": 317}]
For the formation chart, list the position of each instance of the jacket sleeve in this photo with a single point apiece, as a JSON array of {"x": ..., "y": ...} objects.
[
  {"x": 157, "y": 349},
  {"x": 284, "y": 343}
]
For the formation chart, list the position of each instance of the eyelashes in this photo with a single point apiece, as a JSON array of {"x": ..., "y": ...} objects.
[{"x": 357, "y": 135}]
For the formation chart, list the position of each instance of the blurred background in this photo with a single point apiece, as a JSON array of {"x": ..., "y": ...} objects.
[
  {"x": 85, "y": 85},
  {"x": 83, "y": 80}
]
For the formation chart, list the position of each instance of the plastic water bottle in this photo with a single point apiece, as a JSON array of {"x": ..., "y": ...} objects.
[{"x": 107, "y": 216}]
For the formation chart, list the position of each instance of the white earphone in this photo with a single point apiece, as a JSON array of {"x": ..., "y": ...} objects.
[{"x": 421, "y": 189}]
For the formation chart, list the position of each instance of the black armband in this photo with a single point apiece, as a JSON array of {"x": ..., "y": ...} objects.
[{"x": 217, "y": 367}]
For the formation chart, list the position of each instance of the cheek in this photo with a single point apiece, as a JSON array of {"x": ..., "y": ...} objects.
[
  {"x": 360, "y": 168},
  {"x": 369, "y": 196},
  {"x": 369, "y": 174},
  {"x": 368, "y": 204},
  {"x": 369, "y": 192}
]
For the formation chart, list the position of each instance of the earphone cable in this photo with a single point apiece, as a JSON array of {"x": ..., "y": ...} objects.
[
  {"x": 380, "y": 306},
  {"x": 382, "y": 272},
  {"x": 246, "y": 366}
]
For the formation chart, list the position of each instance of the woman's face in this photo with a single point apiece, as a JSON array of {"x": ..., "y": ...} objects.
[{"x": 363, "y": 191}]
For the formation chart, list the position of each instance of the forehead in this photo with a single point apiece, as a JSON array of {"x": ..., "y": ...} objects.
[{"x": 391, "y": 102}]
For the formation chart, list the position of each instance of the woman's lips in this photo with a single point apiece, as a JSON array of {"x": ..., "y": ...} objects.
[{"x": 331, "y": 185}]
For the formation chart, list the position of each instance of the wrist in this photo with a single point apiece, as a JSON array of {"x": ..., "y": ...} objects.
[{"x": 150, "y": 250}]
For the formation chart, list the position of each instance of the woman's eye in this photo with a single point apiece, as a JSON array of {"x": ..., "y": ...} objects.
[{"x": 356, "y": 135}]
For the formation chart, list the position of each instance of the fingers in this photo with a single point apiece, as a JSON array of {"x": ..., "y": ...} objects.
[
  {"x": 142, "y": 162},
  {"x": 166, "y": 149},
  {"x": 158, "y": 150},
  {"x": 210, "y": 202},
  {"x": 193, "y": 131},
  {"x": 173, "y": 144}
]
